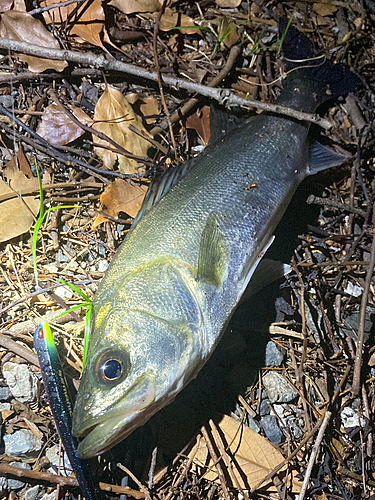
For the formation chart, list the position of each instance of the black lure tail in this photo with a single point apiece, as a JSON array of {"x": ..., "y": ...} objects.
[{"x": 334, "y": 79}]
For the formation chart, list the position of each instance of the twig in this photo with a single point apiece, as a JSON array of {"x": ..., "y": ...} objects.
[
  {"x": 101, "y": 135},
  {"x": 160, "y": 81},
  {"x": 282, "y": 464},
  {"x": 335, "y": 204},
  {"x": 219, "y": 470},
  {"x": 314, "y": 452},
  {"x": 64, "y": 480},
  {"x": 53, "y": 6},
  {"x": 139, "y": 484},
  {"x": 18, "y": 349},
  {"x": 192, "y": 103},
  {"x": 362, "y": 315},
  {"x": 224, "y": 96}
]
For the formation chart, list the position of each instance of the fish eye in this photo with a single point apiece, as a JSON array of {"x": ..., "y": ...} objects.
[{"x": 110, "y": 366}]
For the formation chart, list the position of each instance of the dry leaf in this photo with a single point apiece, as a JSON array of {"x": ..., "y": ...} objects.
[
  {"x": 120, "y": 196},
  {"x": 171, "y": 20},
  {"x": 20, "y": 162},
  {"x": 200, "y": 123},
  {"x": 228, "y": 33},
  {"x": 149, "y": 109},
  {"x": 22, "y": 27},
  {"x": 5, "y": 5},
  {"x": 113, "y": 115},
  {"x": 87, "y": 23},
  {"x": 252, "y": 457},
  {"x": 58, "y": 128},
  {"x": 133, "y": 6},
  {"x": 324, "y": 9},
  {"x": 17, "y": 216},
  {"x": 228, "y": 4}
]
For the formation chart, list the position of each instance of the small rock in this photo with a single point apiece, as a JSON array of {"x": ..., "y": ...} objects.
[
  {"x": 54, "y": 459},
  {"x": 253, "y": 424},
  {"x": 64, "y": 292},
  {"x": 3, "y": 485},
  {"x": 21, "y": 443},
  {"x": 5, "y": 394},
  {"x": 7, "y": 101},
  {"x": 34, "y": 493},
  {"x": 16, "y": 484},
  {"x": 282, "y": 309},
  {"x": 102, "y": 265},
  {"x": 4, "y": 406},
  {"x": 271, "y": 428},
  {"x": 274, "y": 354},
  {"x": 61, "y": 257},
  {"x": 22, "y": 383},
  {"x": 49, "y": 496},
  {"x": 350, "y": 419},
  {"x": 278, "y": 389},
  {"x": 264, "y": 408}
]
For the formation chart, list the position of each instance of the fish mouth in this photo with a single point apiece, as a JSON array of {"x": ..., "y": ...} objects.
[{"x": 116, "y": 423}]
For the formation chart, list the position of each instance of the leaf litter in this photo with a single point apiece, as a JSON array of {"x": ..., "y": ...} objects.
[{"x": 316, "y": 316}]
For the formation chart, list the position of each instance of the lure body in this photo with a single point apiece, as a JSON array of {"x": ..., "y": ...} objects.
[{"x": 59, "y": 400}]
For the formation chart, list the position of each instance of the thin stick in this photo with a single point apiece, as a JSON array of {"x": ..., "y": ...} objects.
[
  {"x": 314, "y": 452},
  {"x": 362, "y": 316},
  {"x": 219, "y": 470},
  {"x": 224, "y": 96}
]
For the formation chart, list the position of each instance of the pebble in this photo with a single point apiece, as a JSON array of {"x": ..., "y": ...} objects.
[
  {"x": 64, "y": 292},
  {"x": 278, "y": 389},
  {"x": 34, "y": 493},
  {"x": 272, "y": 429},
  {"x": 264, "y": 408},
  {"x": 5, "y": 394},
  {"x": 49, "y": 496},
  {"x": 5, "y": 407},
  {"x": 102, "y": 265},
  {"x": 274, "y": 354},
  {"x": 16, "y": 484},
  {"x": 3, "y": 485},
  {"x": 22, "y": 383},
  {"x": 61, "y": 257},
  {"x": 21, "y": 443},
  {"x": 7, "y": 100},
  {"x": 350, "y": 419},
  {"x": 53, "y": 456}
]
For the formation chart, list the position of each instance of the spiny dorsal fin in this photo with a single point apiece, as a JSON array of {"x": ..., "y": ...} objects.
[{"x": 213, "y": 254}]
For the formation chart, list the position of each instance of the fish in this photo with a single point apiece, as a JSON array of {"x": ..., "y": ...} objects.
[
  {"x": 61, "y": 406},
  {"x": 175, "y": 281}
]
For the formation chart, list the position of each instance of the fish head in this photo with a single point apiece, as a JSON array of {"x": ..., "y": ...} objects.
[{"x": 136, "y": 363}]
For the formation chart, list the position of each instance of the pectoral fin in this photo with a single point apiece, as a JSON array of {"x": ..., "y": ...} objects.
[{"x": 213, "y": 254}]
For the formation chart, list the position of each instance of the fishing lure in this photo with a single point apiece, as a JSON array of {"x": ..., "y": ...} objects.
[{"x": 59, "y": 400}]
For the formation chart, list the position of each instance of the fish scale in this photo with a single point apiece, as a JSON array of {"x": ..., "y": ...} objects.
[{"x": 174, "y": 283}]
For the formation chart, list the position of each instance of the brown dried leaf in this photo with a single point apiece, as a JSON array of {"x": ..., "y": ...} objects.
[
  {"x": 200, "y": 123},
  {"x": 5, "y": 5},
  {"x": 17, "y": 216},
  {"x": 113, "y": 115},
  {"x": 228, "y": 4},
  {"x": 229, "y": 33},
  {"x": 149, "y": 109},
  {"x": 133, "y": 6},
  {"x": 252, "y": 456},
  {"x": 20, "y": 162},
  {"x": 171, "y": 20},
  {"x": 22, "y": 27},
  {"x": 58, "y": 128},
  {"x": 324, "y": 9},
  {"x": 120, "y": 196},
  {"x": 87, "y": 24}
]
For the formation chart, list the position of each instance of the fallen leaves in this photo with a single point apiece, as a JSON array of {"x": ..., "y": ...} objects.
[
  {"x": 20, "y": 26},
  {"x": 136, "y": 6},
  {"x": 17, "y": 214},
  {"x": 251, "y": 456},
  {"x": 58, "y": 128},
  {"x": 113, "y": 115},
  {"x": 85, "y": 22},
  {"x": 120, "y": 196}
]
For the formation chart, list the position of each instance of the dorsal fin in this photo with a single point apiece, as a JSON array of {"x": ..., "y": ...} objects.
[{"x": 161, "y": 184}]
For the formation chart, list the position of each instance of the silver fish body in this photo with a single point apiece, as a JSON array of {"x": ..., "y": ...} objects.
[{"x": 170, "y": 290}]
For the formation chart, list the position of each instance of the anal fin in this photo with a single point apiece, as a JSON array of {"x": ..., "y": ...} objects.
[{"x": 213, "y": 254}]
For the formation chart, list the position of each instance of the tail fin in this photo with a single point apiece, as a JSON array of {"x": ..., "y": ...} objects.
[{"x": 297, "y": 48}]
